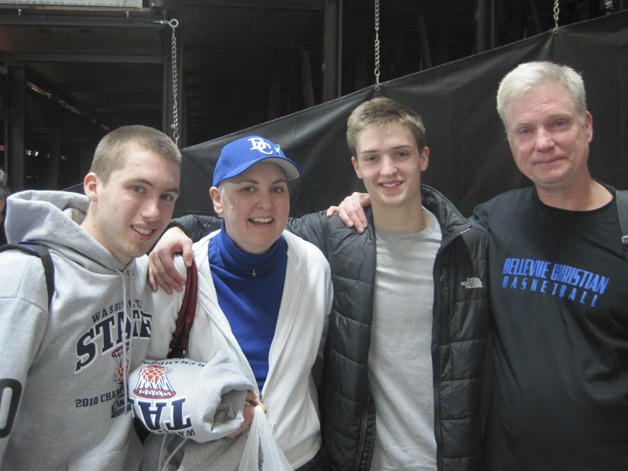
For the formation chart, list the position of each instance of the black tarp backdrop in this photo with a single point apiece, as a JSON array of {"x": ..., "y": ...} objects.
[{"x": 470, "y": 161}]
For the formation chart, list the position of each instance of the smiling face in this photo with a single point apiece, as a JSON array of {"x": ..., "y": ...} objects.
[
  {"x": 255, "y": 206},
  {"x": 389, "y": 163},
  {"x": 549, "y": 139},
  {"x": 129, "y": 211}
]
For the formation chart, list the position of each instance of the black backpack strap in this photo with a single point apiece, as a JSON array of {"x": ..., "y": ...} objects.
[
  {"x": 621, "y": 197},
  {"x": 185, "y": 317},
  {"x": 41, "y": 251}
]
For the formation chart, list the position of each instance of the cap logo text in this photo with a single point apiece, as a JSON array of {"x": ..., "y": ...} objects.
[{"x": 260, "y": 145}]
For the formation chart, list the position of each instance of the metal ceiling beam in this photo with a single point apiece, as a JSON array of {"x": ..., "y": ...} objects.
[
  {"x": 14, "y": 119},
  {"x": 92, "y": 87},
  {"x": 309, "y": 5},
  {"x": 79, "y": 21},
  {"x": 239, "y": 49},
  {"x": 93, "y": 58},
  {"x": 332, "y": 37},
  {"x": 116, "y": 107},
  {"x": 485, "y": 25}
]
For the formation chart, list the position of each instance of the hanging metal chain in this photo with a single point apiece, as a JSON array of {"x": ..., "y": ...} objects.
[
  {"x": 377, "y": 47},
  {"x": 556, "y": 12},
  {"x": 173, "y": 23}
]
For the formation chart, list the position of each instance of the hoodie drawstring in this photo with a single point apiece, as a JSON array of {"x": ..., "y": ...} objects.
[{"x": 128, "y": 339}]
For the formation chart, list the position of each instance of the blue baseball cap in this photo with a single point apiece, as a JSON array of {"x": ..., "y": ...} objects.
[{"x": 240, "y": 155}]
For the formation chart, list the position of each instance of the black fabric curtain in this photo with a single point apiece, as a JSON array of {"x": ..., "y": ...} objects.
[{"x": 470, "y": 161}]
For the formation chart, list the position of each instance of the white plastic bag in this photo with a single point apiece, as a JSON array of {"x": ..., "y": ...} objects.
[{"x": 261, "y": 452}]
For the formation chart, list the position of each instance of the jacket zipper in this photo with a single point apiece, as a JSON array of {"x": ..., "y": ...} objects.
[{"x": 363, "y": 429}]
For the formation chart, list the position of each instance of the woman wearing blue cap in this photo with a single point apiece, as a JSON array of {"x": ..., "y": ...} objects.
[{"x": 263, "y": 299}]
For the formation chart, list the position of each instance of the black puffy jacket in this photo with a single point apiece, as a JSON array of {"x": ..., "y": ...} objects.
[{"x": 459, "y": 335}]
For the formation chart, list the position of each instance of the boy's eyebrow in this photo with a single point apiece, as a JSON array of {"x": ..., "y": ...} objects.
[
  {"x": 150, "y": 184},
  {"x": 252, "y": 180},
  {"x": 368, "y": 151}
]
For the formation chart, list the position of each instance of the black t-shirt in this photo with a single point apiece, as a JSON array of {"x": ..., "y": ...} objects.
[{"x": 559, "y": 293}]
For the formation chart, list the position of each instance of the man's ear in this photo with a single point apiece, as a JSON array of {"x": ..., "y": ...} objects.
[
  {"x": 425, "y": 158},
  {"x": 214, "y": 194},
  {"x": 91, "y": 185},
  {"x": 588, "y": 124},
  {"x": 356, "y": 167}
]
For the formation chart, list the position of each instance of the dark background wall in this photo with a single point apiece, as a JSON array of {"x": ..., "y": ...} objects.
[
  {"x": 470, "y": 160},
  {"x": 71, "y": 73}
]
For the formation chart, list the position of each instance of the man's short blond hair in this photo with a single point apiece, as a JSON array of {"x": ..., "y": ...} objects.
[
  {"x": 380, "y": 111},
  {"x": 112, "y": 149}
]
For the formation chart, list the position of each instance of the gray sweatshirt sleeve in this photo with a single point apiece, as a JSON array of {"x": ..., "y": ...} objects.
[
  {"x": 23, "y": 320},
  {"x": 200, "y": 401}
]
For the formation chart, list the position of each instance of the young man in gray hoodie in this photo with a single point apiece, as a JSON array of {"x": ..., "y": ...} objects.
[{"x": 63, "y": 376}]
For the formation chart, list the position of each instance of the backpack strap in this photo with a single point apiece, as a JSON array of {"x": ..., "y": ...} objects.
[
  {"x": 185, "y": 317},
  {"x": 621, "y": 197},
  {"x": 41, "y": 251}
]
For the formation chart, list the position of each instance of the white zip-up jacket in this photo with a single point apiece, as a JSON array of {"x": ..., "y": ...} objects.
[{"x": 289, "y": 392}]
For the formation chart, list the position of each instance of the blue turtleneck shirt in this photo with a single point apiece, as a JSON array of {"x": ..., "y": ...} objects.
[{"x": 249, "y": 289}]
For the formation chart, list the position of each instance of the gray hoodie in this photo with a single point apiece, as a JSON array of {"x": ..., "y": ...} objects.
[{"x": 64, "y": 386}]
